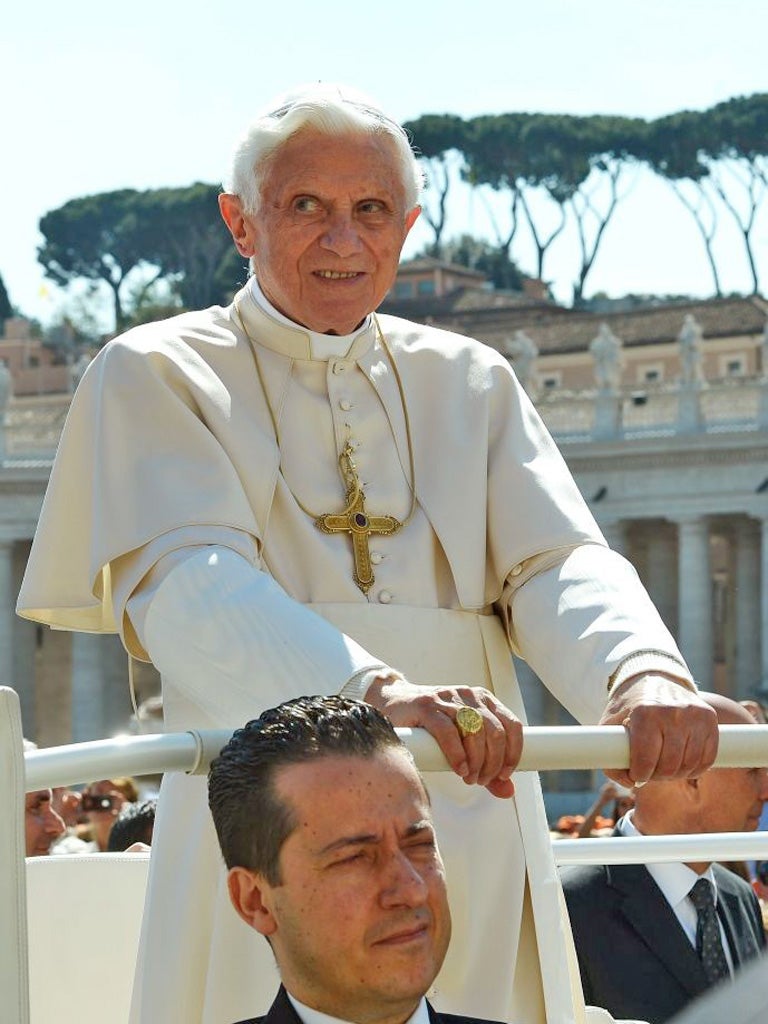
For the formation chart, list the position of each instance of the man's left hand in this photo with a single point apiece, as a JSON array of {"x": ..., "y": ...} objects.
[{"x": 672, "y": 731}]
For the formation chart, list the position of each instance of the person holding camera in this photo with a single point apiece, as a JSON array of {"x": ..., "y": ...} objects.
[{"x": 102, "y": 802}]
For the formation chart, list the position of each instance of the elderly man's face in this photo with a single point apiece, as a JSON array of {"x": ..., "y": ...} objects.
[
  {"x": 360, "y": 923},
  {"x": 733, "y": 798},
  {"x": 41, "y": 823},
  {"x": 327, "y": 238}
]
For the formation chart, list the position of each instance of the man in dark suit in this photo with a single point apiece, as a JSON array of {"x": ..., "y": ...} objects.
[
  {"x": 327, "y": 833},
  {"x": 647, "y": 942}
]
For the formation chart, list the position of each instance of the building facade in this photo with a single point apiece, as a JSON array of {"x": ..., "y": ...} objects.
[{"x": 661, "y": 413}]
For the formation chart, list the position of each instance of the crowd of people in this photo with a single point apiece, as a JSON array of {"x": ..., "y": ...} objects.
[{"x": 105, "y": 816}]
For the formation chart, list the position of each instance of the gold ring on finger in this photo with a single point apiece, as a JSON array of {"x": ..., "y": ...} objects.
[{"x": 469, "y": 721}]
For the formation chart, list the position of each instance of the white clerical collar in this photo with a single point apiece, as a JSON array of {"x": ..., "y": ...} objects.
[
  {"x": 674, "y": 879},
  {"x": 309, "y": 1016},
  {"x": 321, "y": 346}
]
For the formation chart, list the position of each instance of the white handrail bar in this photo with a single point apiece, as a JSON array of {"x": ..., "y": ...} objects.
[
  {"x": 545, "y": 748},
  {"x": 662, "y": 849}
]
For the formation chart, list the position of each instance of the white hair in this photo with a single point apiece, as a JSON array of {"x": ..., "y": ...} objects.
[{"x": 326, "y": 108}]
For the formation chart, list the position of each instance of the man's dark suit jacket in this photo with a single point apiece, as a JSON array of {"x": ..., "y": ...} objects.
[
  {"x": 282, "y": 1012},
  {"x": 634, "y": 957}
]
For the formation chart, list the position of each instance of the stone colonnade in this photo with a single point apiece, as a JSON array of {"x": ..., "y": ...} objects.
[
  {"x": 72, "y": 686},
  {"x": 708, "y": 576}
]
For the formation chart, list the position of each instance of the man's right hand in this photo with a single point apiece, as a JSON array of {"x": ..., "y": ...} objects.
[{"x": 486, "y": 758}]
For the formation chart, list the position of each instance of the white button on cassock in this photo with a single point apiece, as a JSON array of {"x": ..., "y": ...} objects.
[
  {"x": 516, "y": 571},
  {"x": 377, "y": 557},
  {"x": 385, "y": 597},
  {"x": 339, "y": 367},
  {"x": 345, "y": 404}
]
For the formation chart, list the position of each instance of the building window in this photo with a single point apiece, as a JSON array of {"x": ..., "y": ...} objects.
[
  {"x": 650, "y": 373},
  {"x": 426, "y": 287},
  {"x": 733, "y": 365},
  {"x": 550, "y": 381},
  {"x": 403, "y": 289}
]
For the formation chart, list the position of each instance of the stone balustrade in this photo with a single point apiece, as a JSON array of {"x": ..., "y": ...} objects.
[
  {"x": 32, "y": 425},
  {"x": 730, "y": 404}
]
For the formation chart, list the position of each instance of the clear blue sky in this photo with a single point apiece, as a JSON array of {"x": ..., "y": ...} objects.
[{"x": 97, "y": 96}]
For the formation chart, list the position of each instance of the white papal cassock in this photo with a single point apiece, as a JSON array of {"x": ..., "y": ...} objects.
[{"x": 168, "y": 497}]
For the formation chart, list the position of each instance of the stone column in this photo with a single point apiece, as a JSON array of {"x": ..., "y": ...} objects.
[
  {"x": 87, "y": 688},
  {"x": 533, "y": 692},
  {"x": 114, "y": 673},
  {"x": 661, "y": 574},
  {"x": 7, "y": 603},
  {"x": 747, "y": 603},
  {"x": 695, "y": 598},
  {"x": 9, "y": 662},
  {"x": 53, "y": 688},
  {"x": 101, "y": 704},
  {"x": 615, "y": 533},
  {"x": 6, "y": 390},
  {"x": 764, "y": 601}
]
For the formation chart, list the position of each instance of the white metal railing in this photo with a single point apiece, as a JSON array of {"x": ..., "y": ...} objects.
[
  {"x": 545, "y": 747},
  {"x": 559, "y": 747},
  {"x": 662, "y": 849}
]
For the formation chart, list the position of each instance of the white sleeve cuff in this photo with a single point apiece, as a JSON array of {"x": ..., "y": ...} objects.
[
  {"x": 649, "y": 663},
  {"x": 356, "y": 688}
]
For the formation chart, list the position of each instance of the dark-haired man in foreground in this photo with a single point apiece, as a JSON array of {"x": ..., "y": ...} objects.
[{"x": 327, "y": 834}]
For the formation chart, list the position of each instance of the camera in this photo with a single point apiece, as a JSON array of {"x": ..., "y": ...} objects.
[{"x": 95, "y": 802}]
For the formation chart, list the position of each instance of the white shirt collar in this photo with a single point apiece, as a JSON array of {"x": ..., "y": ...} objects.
[
  {"x": 309, "y": 1016},
  {"x": 322, "y": 346},
  {"x": 674, "y": 879}
]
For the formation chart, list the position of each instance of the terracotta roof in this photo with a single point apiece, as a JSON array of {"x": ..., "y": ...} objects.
[
  {"x": 487, "y": 315},
  {"x": 461, "y": 304},
  {"x": 718, "y": 318},
  {"x": 422, "y": 263}
]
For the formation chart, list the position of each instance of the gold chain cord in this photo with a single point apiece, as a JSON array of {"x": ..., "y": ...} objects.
[{"x": 346, "y": 465}]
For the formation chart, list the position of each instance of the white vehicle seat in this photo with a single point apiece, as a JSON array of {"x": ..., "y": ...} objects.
[{"x": 84, "y": 917}]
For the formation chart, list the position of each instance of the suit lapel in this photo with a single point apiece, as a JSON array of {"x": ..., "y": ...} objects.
[
  {"x": 280, "y": 1012},
  {"x": 733, "y": 914},
  {"x": 647, "y": 912}
]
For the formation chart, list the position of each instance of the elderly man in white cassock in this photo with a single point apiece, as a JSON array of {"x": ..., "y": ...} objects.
[{"x": 293, "y": 495}]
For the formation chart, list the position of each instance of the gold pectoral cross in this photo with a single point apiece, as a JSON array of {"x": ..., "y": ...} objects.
[{"x": 355, "y": 521}]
